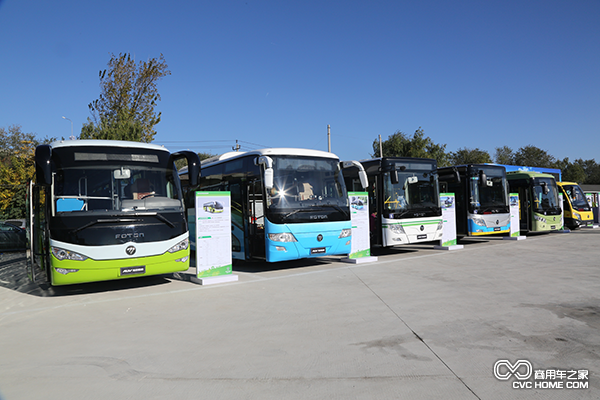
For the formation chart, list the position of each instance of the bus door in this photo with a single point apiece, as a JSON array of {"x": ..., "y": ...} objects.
[
  {"x": 39, "y": 247},
  {"x": 525, "y": 209},
  {"x": 256, "y": 220}
]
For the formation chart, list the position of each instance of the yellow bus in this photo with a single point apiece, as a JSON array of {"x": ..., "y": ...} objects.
[{"x": 577, "y": 211}]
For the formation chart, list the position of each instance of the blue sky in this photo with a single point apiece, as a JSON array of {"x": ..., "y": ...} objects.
[{"x": 275, "y": 73}]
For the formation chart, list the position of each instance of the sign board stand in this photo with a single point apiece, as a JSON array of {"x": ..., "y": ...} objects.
[
  {"x": 448, "y": 241},
  {"x": 515, "y": 224},
  {"x": 359, "y": 216},
  {"x": 213, "y": 238}
]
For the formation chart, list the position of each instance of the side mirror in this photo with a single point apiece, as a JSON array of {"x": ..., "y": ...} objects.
[
  {"x": 193, "y": 164},
  {"x": 364, "y": 181},
  {"x": 268, "y": 163},
  {"x": 545, "y": 188},
  {"x": 482, "y": 178},
  {"x": 362, "y": 174},
  {"x": 43, "y": 157},
  {"x": 269, "y": 178},
  {"x": 394, "y": 177}
]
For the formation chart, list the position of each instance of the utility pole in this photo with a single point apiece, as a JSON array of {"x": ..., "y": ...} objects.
[
  {"x": 328, "y": 138},
  {"x": 380, "y": 148},
  {"x": 237, "y": 146}
]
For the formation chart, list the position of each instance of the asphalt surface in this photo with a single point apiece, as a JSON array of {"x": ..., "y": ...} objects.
[{"x": 417, "y": 324}]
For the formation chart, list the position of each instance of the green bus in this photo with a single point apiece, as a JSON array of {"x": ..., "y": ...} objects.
[
  {"x": 106, "y": 209},
  {"x": 539, "y": 207}
]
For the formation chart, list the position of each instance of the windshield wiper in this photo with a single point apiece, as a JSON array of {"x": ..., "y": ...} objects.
[
  {"x": 116, "y": 220},
  {"x": 292, "y": 213},
  {"x": 105, "y": 221}
]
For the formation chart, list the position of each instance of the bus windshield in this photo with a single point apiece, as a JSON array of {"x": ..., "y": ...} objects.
[
  {"x": 96, "y": 183},
  {"x": 492, "y": 195},
  {"x": 545, "y": 195},
  {"x": 416, "y": 191},
  {"x": 306, "y": 189},
  {"x": 577, "y": 198}
]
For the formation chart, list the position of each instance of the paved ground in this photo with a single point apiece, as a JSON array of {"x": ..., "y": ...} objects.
[{"x": 416, "y": 324}]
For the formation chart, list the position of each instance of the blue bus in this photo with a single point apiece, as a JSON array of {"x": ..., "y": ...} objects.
[{"x": 286, "y": 204}]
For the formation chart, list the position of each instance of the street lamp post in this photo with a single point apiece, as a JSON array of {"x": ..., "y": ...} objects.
[{"x": 71, "y": 126}]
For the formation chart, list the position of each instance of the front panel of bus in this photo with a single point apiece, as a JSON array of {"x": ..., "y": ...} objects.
[
  {"x": 410, "y": 208},
  {"x": 546, "y": 211},
  {"x": 114, "y": 213},
  {"x": 487, "y": 206},
  {"x": 577, "y": 211},
  {"x": 306, "y": 212}
]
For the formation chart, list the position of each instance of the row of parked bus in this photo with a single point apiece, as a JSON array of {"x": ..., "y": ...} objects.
[{"x": 103, "y": 210}]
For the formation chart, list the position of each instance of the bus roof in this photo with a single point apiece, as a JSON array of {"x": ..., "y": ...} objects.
[
  {"x": 283, "y": 151},
  {"x": 531, "y": 174},
  {"x": 106, "y": 143}
]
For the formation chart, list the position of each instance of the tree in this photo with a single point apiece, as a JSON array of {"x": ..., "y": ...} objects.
[
  {"x": 571, "y": 172},
  {"x": 532, "y": 156},
  {"x": 591, "y": 170},
  {"x": 128, "y": 96},
  {"x": 504, "y": 155},
  {"x": 469, "y": 156},
  {"x": 16, "y": 168},
  {"x": 400, "y": 145}
]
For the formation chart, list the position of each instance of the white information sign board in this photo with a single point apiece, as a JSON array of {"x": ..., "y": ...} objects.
[
  {"x": 213, "y": 237},
  {"x": 361, "y": 240},
  {"x": 449, "y": 241},
  {"x": 515, "y": 224}
]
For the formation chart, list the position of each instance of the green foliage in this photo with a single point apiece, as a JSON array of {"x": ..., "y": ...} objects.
[
  {"x": 532, "y": 156},
  {"x": 469, "y": 156},
  {"x": 400, "y": 145},
  {"x": 125, "y": 109},
  {"x": 571, "y": 172},
  {"x": 16, "y": 168},
  {"x": 504, "y": 155},
  {"x": 204, "y": 156}
]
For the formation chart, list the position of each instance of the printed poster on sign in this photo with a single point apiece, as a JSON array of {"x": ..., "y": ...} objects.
[
  {"x": 449, "y": 218},
  {"x": 359, "y": 217},
  {"x": 515, "y": 227},
  {"x": 213, "y": 234}
]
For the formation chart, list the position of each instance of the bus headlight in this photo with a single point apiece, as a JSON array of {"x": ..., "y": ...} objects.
[
  {"x": 62, "y": 254},
  {"x": 577, "y": 216},
  {"x": 397, "y": 229},
  {"x": 345, "y": 233},
  {"x": 440, "y": 226},
  {"x": 479, "y": 221},
  {"x": 180, "y": 246},
  {"x": 282, "y": 237}
]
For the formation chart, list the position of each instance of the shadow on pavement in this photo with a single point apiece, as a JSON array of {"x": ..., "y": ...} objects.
[{"x": 14, "y": 276}]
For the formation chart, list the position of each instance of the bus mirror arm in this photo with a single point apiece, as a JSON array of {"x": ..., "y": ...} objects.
[
  {"x": 268, "y": 163},
  {"x": 43, "y": 171},
  {"x": 193, "y": 164},
  {"x": 362, "y": 175}
]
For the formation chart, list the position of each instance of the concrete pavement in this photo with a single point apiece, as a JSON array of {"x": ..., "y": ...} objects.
[{"x": 418, "y": 324}]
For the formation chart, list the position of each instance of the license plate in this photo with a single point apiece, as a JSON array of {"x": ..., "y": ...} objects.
[
  {"x": 553, "y": 227},
  {"x": 317, "y": 250},
  {"x": 133, "y": 270},
  {"x": 421, "y": 236},
  {"x": 497, "y": 229}
]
